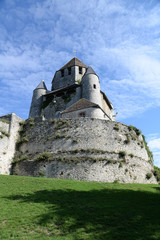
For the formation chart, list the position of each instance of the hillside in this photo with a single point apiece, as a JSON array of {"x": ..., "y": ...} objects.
[{"x": 41, "y": 208}]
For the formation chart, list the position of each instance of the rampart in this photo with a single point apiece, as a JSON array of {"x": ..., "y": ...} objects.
[{"x": 83, "y": 149}]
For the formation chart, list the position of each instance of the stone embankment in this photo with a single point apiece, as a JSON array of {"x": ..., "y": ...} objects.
[{"x": 83, "y": 149}]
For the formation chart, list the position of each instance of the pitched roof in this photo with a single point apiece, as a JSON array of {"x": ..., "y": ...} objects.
[
  {"x": 42, "y": 85},
  {"x": 73, "y": 62},
  {"x": 81, "y": 104}
]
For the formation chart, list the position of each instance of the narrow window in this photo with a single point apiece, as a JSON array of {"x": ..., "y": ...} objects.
[
  {"x": 80, "y": 70},
  {"x": 94, "y": 86},
  {"x": 69, "y": 71},
  {"x": 82, "y": 114},
  {"x": 62, "y": 73}
]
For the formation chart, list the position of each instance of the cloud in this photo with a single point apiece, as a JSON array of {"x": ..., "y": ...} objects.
[
  {"x": 118, "y": 38},
  {"x": 154, "y": 145}
]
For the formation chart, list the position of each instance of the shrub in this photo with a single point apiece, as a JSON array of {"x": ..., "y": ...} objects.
[
  {"x": 137, "y": 131},
  {"x": 116, "y": 128},
  {"x": 148, "y": 176},
  {"x": 122, "y": 154},
  {"x": 156, "y": 173},
  {"x": 131, "y": 155},
  {"x": 127, "y": 139},
  {"x": 121, "y": 164},
  {"x": 150, "y": 155},
  {"x": 41, "y": 173},
  {"x": 22, "y": 140},
  {"x": 43, "y": 156}
]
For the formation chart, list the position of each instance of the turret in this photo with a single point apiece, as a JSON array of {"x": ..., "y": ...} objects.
[
  {"x": 91, "y": 87},
  {"x": 37, "y": 100}
]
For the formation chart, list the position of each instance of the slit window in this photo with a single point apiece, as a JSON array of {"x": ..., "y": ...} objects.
[
  {"x": 69, "y": 71},
  {"x": 80, "y": 70},
  {"x": 94, "y": 86},
  {"x": 62, "y": 73}
]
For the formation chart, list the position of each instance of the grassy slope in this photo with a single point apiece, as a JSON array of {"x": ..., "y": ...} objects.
[{"x": 39, "y": 208}]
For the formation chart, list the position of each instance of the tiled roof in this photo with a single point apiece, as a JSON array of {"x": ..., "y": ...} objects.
[
  {"x": 74, "y": 62},
  {"x": 81, "y": 104},
  {"x": 42, "y": 85}
]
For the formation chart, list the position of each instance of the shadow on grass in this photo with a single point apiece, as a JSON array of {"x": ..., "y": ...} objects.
[{"x": 100, "y": 214}]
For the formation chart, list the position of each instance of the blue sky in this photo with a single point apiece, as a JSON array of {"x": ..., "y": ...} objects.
[{"x": 120, "y": 39}]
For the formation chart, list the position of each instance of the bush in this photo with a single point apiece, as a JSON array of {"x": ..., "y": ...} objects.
[
  {"x": 122, "y": 154},
  {"x": 120, "y": 165},
  {"x": 43, "y": 156},
  {"x": 137, "y": 131},
  {"x": 156, "y": 173},
  {"x": 116, "y": 128},
  {"x": 131, "y": 155},
  {"x": 148, "y": 176}
]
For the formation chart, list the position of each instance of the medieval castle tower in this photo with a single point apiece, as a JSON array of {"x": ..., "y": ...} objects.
[{"x": 75, "y": 93}]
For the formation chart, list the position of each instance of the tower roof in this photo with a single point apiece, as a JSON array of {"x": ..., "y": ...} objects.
[
  {"x": 90, "y": 71},
  {"x": 73, "y": 62},
  {"x": 42, "y": 85}
]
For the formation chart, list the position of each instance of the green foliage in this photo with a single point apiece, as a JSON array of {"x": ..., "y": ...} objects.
[
  {"x": 116, "y": 128},
  {"x": 156, "y": 173},
  {"x": 55, "y": 209},
  {"x": 131, "y": 155},
  {"x": 4, "y": 120},
  {"x": 41, "y": 173},
  {"x": 4, "y": 133},
  {"x": 121, "y": 164},
  {"x": 150, "y": 155},
  {"x": 137, "y": 131},
  {"x": 122, "y": 154},
  {"x": 43, "y": 156},
  {"x": 127, "y": 141},
  {"x": 148, "y": 175},
  {"x": 22, "y": 158},
  {"x": 22, "y": 140}
]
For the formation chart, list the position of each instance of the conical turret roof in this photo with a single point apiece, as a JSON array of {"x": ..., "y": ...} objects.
[
  {"x": 90, "y": 71},
  {"x": 73, "y": 62},
  {"x": 42, "y": 85}
]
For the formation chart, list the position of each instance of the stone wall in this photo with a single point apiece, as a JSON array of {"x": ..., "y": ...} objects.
[
  {"x": 84, "y": 149},
  {"x": 8, "y": 136}
]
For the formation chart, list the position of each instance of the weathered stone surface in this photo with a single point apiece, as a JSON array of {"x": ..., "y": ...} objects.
[
  {"x": 84, "y": 149},
  {"x": 9, "y": 135}
]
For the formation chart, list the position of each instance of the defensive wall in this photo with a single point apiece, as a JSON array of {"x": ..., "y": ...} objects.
[
  {"x": 9, "y": 126},
  {"x": 83, "y": 149}
]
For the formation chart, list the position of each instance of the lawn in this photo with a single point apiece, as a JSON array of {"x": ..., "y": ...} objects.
[{"x": 40, "y": 208}]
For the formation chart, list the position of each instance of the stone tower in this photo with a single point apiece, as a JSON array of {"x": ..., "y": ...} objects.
[
  {"x": 37, "y": 100},
  {"x": 91, "y": 87}
]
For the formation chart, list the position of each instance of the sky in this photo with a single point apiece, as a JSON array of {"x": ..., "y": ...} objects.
[{"x": 120, "y": 39}]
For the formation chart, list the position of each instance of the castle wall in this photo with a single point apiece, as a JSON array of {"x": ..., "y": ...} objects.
[
  {"x": 89, "y": 112},
  {"x": 67, "y": 80},
  {"x": 106, "y": 108},
  {"x": 9, "y": 135},
  {"x": 84, "y": 149},
  {"x": 53, "y": 109}
]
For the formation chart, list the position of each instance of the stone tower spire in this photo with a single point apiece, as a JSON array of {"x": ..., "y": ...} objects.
[{"x": 37, "y": 100}]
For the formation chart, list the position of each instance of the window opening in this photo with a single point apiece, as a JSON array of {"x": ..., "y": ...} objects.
[
  {"x": 82, "y": 114},
  {"x": 94, "y": 86},
  {"x": 62, "y": 73},
  {"x": 80, "y": 70},
  {"x": 69, "y": 71}
]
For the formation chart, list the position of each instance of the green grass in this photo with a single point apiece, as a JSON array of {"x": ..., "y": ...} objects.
[{"x": 40, "y": 208}]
